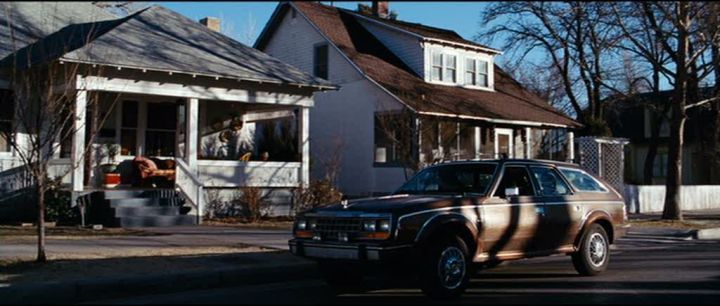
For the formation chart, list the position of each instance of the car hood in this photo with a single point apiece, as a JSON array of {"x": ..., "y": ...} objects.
[{"x": 388, "y": 204}]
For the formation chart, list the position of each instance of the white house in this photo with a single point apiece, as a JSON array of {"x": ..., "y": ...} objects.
[
  {"x": 408, "y": 92},
  {"x": 169, "y": 88}
]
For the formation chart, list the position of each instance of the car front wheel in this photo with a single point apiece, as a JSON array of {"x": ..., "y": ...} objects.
[
  {"x": 593, "y": 255},
  {"x": 445, "y": 271}
]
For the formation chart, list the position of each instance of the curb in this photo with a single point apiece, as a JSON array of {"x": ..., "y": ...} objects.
[
  {"x": 86, "y": 290},
  {"x": 707, "y": 234}
]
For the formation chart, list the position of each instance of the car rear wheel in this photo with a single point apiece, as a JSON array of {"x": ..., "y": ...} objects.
[
  {"x": 593, "y": 255},
  {"x": 445, "y": 270}
]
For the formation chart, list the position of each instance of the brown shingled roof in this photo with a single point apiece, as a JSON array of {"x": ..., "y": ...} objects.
[
  {"x": 423, "y": 30},
  {"x": 509, "y": 101}
]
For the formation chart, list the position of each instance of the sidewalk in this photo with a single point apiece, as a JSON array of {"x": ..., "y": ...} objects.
[
  {"x": 183, "y": 258},
  {"x": 697, "y": 224}
]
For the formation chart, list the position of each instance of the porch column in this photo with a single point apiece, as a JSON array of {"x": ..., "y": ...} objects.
[
  {"x": 478, "y": 147},
  {"x": 78, "y": 141},
  {"x": 528, "y": 143},
  {"x": 304, "y": 145},
  {"x": 191, "y": 133},
  {"x": 571, "y": 146}
]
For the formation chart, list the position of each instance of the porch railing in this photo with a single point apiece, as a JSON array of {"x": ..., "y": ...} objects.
[{"x": 189, "y": 185}]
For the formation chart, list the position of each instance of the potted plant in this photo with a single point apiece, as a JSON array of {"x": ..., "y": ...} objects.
[{"x": 109, "y": 170}]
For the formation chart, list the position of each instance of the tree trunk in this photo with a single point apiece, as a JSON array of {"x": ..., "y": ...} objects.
[
  {"x": 674, "y": 172},
  {"x": 41, "y": 221}
]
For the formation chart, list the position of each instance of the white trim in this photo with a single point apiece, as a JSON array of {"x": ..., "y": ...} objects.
[
  {"x": 191, "y": 133},
  {"x": 509, "y": 133},
  {"x": 195, "y": 74},
  {"x": 304, "y": 145},
  {"x": 503, "y": 121},
  {"x": 192, "y": 91},
  {"x": 478, "y": 145},
  {"x": 237, "y": 163},
  {"x": 528, "y": 143}
]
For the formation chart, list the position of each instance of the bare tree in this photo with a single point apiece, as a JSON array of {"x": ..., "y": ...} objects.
[
  {"x": 43, "y": 97},
  {"x": 575, "y": 41},
  {"x": 678, "y": 29}
]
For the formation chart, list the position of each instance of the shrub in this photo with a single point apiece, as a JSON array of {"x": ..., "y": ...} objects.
[
  {"x": 58, "y": 203},
  {"x": 255, "y": 205},
  {"x": 317, "y": 193}
]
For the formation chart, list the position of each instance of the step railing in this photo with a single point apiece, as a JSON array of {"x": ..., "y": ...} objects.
[{"x": 189, "y": 186}]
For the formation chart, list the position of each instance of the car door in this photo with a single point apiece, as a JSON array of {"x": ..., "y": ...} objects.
[
  {"x": 509, "y": 223},
  {"x": 559, "y": 214}
]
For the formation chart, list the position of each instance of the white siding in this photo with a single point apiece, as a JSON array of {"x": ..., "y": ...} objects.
[
  {"x": 293, "y": 42},
  {"x": 347, "y": 116},
  {"x": 461, "y": 54},
  {"x": 403, "y": 45}
]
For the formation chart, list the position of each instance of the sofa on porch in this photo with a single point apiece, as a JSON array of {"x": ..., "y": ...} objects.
[{"x": 154, "y": 172}]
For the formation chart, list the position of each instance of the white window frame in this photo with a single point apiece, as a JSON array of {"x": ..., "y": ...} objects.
[
  {"x": 433, "y": 66},
  {"x": 475, "y": 84},
  {"x": 447, "y": 67}
]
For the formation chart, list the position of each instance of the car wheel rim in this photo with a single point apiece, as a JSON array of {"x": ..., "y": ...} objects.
[
  {"x": 451, "y": 267},
  {"x": 597, "y": 249}
]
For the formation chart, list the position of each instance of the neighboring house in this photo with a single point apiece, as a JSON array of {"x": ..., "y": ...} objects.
[
  {"x": 631, "y": 118},
  {"x": 229, "y": 115},
  {"x": 407, "y": 87}
]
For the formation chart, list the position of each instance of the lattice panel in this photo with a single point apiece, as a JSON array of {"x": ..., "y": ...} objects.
[
  {"x": 589, "y": 155},
  {"x": 612, "y": 164}
]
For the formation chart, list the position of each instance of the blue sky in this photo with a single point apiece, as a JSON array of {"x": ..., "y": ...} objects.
[{"x": 238, "y": 17}]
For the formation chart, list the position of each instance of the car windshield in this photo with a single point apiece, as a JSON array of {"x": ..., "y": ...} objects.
[{"x": 451, "y": 179}]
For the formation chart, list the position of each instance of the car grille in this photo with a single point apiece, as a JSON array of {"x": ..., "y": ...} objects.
[{"x": 329, "y": 228}]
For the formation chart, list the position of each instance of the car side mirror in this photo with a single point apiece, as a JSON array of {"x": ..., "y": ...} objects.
[{"x": 512, "y": 192}]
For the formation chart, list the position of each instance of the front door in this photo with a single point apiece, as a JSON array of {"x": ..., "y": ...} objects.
[
  {"x": 510, "y": 223},
  {"x": 503, "y": 143}
]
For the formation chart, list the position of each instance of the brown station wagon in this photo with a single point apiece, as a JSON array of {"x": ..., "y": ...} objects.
[{"x": 452, "y": 218}]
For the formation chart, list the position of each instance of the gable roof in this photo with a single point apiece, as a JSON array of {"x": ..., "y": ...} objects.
[
  {"x": 424, "y": 30},
  {"x": 22, "y": 23},
  {"x": 510, "y": 101},
  {"x": 159, "y": 39}
]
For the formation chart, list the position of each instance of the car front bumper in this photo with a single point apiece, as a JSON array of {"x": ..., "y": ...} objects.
[{"x": 354, "y": 251}]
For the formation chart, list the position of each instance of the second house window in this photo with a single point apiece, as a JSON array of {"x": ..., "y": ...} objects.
[{"x": 320, "y": 61}]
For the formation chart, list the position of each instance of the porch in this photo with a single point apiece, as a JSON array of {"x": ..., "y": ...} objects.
[{"x": 220, "y": 135}]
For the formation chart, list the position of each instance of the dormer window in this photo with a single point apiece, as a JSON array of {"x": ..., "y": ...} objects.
[
  {"x": 476, "y": 72},
  {"x": 444, "y": 67}
]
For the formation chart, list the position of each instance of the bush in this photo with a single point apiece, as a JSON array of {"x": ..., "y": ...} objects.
[
  {"x": 318, "y": 193},
  {"x": 58, "y": 203},
  {"x": 255, "y": 205}
]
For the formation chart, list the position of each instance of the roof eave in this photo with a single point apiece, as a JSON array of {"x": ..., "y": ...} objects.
[{"x": 194, "y": 74}]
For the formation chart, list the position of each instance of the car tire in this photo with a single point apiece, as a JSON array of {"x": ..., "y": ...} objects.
[
  {"x": 445, "y": 270},
  {"x": 593, "y": 255}
]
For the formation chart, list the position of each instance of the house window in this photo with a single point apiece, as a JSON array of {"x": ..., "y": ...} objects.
[
  {"x": 470, "y": 72},
  {"x": 437, "y": 67},
  {"x": 482, "y": 69},
  {"x": 128, "y": 128},
  {"x": 393, "y": 134},
  {"x": 320, "y": 61},
  {"x": 8, "y": 106},
  {"x": 160, "y": 132},
  {"x": 450, "y": 68},
  {"x": 660, "y": 165}
]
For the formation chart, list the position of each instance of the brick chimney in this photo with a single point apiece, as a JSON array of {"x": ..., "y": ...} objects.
[
  {"x": 381, "y": 9},
  {"x": 212, "y": 23}
]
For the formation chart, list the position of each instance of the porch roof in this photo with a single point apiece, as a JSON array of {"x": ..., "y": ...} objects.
[{"x": 159, "y": 39}]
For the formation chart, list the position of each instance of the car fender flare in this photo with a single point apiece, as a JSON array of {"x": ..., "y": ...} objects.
[
  {"x": 593, "y": 217},
  {"x": 435, "y": 223}
]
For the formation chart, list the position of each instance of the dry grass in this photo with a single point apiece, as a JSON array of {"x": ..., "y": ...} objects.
[
  {"x": 686, "y": 224},
  {"x": 70, "y": 231},
  {"x": 284, "y": 223}
]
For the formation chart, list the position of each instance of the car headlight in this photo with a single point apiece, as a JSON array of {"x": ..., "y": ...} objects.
[
  {"x": 312, "y": 224},
  {"x": 383, "y": 226},
  {"x": 301, "y": 224},
  {"x": 369, "y": 226}
]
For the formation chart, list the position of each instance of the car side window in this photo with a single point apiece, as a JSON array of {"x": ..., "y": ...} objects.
[
  {"x": 582, "y": 181},
  {"x": 549, "y": 182},
  {"x": 515, "y": 176}
]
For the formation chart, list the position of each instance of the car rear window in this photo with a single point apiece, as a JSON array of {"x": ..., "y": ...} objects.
[{"x": 582, "y": 181}]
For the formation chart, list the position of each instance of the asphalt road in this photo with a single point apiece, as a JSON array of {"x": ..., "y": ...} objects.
[{"x": 644, "y": 269}]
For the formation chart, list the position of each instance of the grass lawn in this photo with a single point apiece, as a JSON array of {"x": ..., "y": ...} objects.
[
  {"x": 280, "y": 223},
  {"x": 9, "y": 231},
  {"x": 686, "y": 224}
]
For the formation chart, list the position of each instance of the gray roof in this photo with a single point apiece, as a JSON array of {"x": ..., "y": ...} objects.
[
  {"x": 157, "y": 38},
  {"x": 31, "y": 21}
]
